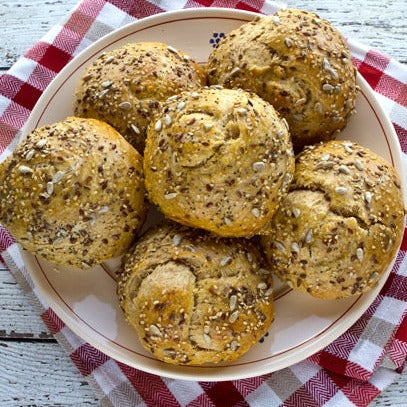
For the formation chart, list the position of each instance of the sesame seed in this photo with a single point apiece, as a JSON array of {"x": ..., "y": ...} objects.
[
  {"x": 87, "y": 77},
  {"x": 206, "y": 329},
  {"x": 325, "y": 157},
  {"x": 107, "y": 84},
  {"x": 167, "y": 120},
  {"x": 225, "y": 261},
  {"x": 158, "y": 125},
  {"x": 125, "y": 106},
  {"x": 287, "y": 178},
  {"x": 262, "y": 286},
  {"x": 234, "y": 345},
  {"x": 340, "y": 190},
  {"x": 207, "y": 126},
  {"x": 181, "y": 105},
  {"x": 154, "y": 330},
  {"x": 30, "y": 236},
  {"x": 195, "y": 95},
  {"x": 109, "y": 59},
  {"x": 30, "y": 155},
  {"x": 185, "y": 57},
  {"x": 317, "y": 21},
  {"x": 232, "y": 302},
  {"x": 389, "y": 244},
  {"x": 268, "y": 292},
  {"x": 84, "y": 264},
  {"x": 255, "y": 212},
  {"x": 173, "y": 97},
  {"x": 171, "y": 195},
  {"x": 242, "y": 111},
  {"x": 227, "y": 221},
  {"x": 348, "y": 147},
  {"x": 217, "y": 87},
  {"x": 177, "y": 239},
  {"x": 259, "y": 166},
  {"x": 50, "y": 188},
  {"x": 276, "y": 20},
  {"x": 233, "y": 317},
  {"x": 135, "y": 128},
  {"x": 23, "y": 169},
  {"x": 58, "y": 176},
  {"x": 296, "y": 212},
  {"x": 359, "y": 253},
  {"x": 359, "y": 165},
  {"x": 308, "y": 236},
  {"x": 318, "y": 107},
  {"x": 288, "y": 43},
  {"x": 172, "y": 49},
  {"x": 368, "y": 197},
  {"x": 344, "y": 169},
  {"x": 279, "y": 246}
]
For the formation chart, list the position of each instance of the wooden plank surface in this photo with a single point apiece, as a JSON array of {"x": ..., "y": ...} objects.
[{"x": 34, "y": 370}]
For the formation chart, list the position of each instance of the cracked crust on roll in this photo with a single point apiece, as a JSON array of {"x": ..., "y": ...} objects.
[
  {"x": 340, "y": 225},
  {"x": 194, "y": 298},
  {"x": 296, "y": 61},
  {"x": 73, "y": 192},
  {"x": 218, "y": 159},
  {"x": 124, "y": 87}
]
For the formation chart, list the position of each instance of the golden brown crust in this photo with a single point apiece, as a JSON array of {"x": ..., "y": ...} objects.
[
  {"x": 124, "y": 87},
  {"x": 218, "y": 159},
  {"x": 73, "y": 192},
  {"x": 194, "y": 298},
  {"x": 340, "y": 225},
  {"x": 296, "y": 61}
]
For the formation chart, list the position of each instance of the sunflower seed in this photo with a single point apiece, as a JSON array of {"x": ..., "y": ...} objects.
[
  {"x": 324, "y": 165},
  {"x": 158, "y": 125},
  {"x": 242, "y": 111},
  {"x": 172, "y": 195},
  {"x": 232, "y": 302},
  {"x": 41, "y": 143},
  {"x": 340, "y": 190},
  {"x": 154, "y": 330},
  {"x": 180, "y": 105},
  {"x": 262, "y": 286},
  {"x": 23, "y": 169},
  {"x": 172, "y": 49},
  {"x": 255, "y": 212},
  {"x": 359, "y": 165},
  {"x": 368, "y": 197},
  {"x": 30, "y": 155},
  {"x": 207, "y": 126},
  {"x": 308, "y": 236},
  {"x": 50, "y": 188},
  {"x": 276, "y": 20},
  {"x": 167, "y": 120},
  {"x": 259, "y": 166},
  {"x": 300, "y": 102},
  {"x": 233, "y": 316},
  {"x": 177, "y": 240},
  {"x": 109, "y": 59},
  {"x": 103, "y": 93},
  {"x": 359, "y": 253},
  {"x": 234, "y": 345},
  {"x": 225, "y": 260},
  {"x": 389, "y": 244},
  {"x": 207, "y": 338},
  {"x": 30, "y": 236},
  {"x": 279, "y": 246},
  {"x": 206, "y": 329},
  {"x": 288, "y": 43},
  {"x": 268, "y": 292},
  {"x": 107, "y": 84},
  {"x": 87, "y": 77},
  {"x": 57, "y": 177},
  {"x": 295, "y": 248},
  {"x": 344, "y": 169},
  {"x": 318, "y": 107},
  {"x": 135, "y": 128},
  {"x": 326, "y": 87},
  {"x": 296, "y": 212},
  {"x": 236, "y": 69},
  {"x": 195, "y": 95},
  {"x": 58, "y": 240},
  {"x": 103, "y": 209},
  {"x": 125, "y": 106},
  {"x": 374, "y": 277}
]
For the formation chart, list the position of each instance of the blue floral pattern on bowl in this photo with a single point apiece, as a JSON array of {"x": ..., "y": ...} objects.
[
  {"x": 264, "y": 337},
  {"x": 216, "y": 37}
]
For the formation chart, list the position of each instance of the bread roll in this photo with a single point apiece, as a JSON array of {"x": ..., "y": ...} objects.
[
  {"x": 296, "y": 61},
  {"x": 125, "y": 86},
  {"x": 340, "y": 225},
  {"x": 73, "y": 192},
  {"x": 194, "y": 298},
  {"x": 218, "y": 159}
]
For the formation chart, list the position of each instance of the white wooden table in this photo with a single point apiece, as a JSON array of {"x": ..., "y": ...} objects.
[{"x": 34, "y": 370}]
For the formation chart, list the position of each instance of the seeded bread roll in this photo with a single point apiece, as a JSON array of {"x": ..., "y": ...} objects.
[
  {"x": 218, "y": 159},
  {"x": 194, "y": 298},
  {"x": 73, "y": 192},
  {"x": 340, "y": 225},
  {"x": 296, "y": 61},
  {"x": 125, "y": 86}
]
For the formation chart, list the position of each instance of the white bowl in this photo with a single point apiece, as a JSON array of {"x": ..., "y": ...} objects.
[{"x": 86, "y": 301}]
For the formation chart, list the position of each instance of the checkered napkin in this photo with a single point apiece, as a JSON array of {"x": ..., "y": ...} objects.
[{"x": 351, "y": 371}]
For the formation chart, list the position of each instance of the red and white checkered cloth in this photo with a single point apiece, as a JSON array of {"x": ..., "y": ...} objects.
[{"x": 352, "y": 370}]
